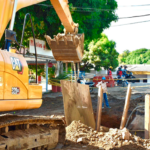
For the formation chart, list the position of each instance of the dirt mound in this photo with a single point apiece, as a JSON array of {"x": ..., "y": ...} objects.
[{"x": 113, "y": 139}]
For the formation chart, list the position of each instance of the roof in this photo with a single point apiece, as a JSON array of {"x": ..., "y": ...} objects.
[
  {"x": 40, "y": 59},
  {"x": 139, "y": 68}
]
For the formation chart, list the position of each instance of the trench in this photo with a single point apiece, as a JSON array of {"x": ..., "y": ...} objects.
[{"x": 111, "y": 118}]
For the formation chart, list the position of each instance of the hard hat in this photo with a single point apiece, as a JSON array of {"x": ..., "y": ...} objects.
[
  {"x": 103, "y": 78},
  {"x": 111, "y": 67}
]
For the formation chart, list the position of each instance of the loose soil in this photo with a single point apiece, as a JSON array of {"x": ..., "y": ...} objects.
[{"x": 111, "y": 118}]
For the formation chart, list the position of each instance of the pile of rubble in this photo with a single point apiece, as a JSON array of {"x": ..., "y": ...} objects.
[{"x": 114, "y": 138}]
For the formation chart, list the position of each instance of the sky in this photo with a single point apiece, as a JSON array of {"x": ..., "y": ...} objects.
[{"x": 135, "y": 36}]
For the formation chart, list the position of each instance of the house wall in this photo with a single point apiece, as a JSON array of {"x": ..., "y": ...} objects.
[
  {"x": 142, "y": 77},
  {"x": 148, "y": 78}
]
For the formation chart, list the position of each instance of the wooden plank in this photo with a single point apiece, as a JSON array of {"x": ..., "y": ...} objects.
[
  {"x": 126, "y": 107},
  {"x": 147, "y": 116},
  {"x": 99, "y": 108},
  {"x": 77, "y": 103}
]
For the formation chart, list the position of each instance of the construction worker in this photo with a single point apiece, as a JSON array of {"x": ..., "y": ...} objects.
[
  {"x": 119, "y": 74},
  {"x": 109, "y": 73},
  {"x": 104, "y": 88},
  {"x": 124, "y": 74},
  {"x": 125, "y": 71}
]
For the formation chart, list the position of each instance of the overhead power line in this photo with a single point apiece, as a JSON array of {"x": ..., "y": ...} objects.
[
  {"x": 125, "y": 17},
  {"x": 98, "y": 8},
  {"x": 134, "y": 16},
  {"x": 80, "y": 9},
  {"x": 131, "y": 23},
  {"x": 134, "y": 5},
  {"x": 86, "y": 10}
]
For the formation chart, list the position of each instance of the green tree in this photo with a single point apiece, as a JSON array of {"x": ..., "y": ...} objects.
[
  {"x": 102, "y": 53},
  {"x": 92, "y": 21},
  {"x": 122, "y": 57},
  {"x": 139, "y": 56},
  {"x": 40, "y": 69}
]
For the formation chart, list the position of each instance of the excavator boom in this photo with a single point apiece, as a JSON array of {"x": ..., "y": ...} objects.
[
  {"x": 66, "y": 47},
  {"x": 62, "y": 9},
  {"x": 69, "y": 46},
  {"x": 6, "y": 9}
]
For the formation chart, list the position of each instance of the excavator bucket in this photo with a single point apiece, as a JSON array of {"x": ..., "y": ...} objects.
[{"x": 67, "y": 48}]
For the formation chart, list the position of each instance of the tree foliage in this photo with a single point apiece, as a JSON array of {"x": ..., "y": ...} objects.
[
  {"x": 102, "y": 53},
  {"x": 40, "y": 69},
  {"x": 122, "y": 57},
  {"x": 92, "y": 21},
  {"x": 139, "y": 56}
]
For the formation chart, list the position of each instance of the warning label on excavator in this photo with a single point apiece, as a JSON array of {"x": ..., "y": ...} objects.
[
  {"x": 15, "y": 90},
  {"x": 16, "y": 64}
]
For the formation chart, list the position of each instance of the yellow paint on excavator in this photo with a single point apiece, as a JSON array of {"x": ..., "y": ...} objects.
[
  {"x": 15, "y": 91},
  {"x": 6, "y": 9}
]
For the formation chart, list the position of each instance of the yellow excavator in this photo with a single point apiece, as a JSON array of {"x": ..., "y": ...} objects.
[{"x": 15, "y": 91}]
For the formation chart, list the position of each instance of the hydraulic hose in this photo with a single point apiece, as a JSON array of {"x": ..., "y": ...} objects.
[
  {"x": 33, "y": 38},
  {"x": 131, "y": 114}
]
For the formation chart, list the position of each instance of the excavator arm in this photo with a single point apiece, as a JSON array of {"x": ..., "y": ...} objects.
[
  {"x": 66, "y": 47},
  {"x": 62, "y": 9},
  {"x": 6, "y": 11}
]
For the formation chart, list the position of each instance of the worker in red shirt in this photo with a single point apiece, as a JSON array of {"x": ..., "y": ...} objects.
[
  {"x": 109, "y": 73},
  {"x": 119, "y": 74}
]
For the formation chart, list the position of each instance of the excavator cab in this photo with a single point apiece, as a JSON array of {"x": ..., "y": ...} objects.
[{"x": 15, "y": 91}]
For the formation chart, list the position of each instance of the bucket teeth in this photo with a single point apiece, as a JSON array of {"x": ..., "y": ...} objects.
[
  {"x": 67, "y": 48},
  {"x": 57, "y": 39},
  {"x": 48, "y": 39}
]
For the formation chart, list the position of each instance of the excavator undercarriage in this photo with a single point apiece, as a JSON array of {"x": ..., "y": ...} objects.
[{"x": 30, "y": 132}]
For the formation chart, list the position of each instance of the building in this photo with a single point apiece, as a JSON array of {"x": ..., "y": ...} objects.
[
  {"x": 44, "y": 56},
  {"x": 140, "y": 71}
]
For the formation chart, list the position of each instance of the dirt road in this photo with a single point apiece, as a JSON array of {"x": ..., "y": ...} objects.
[{"x": 53, "y": 105}]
